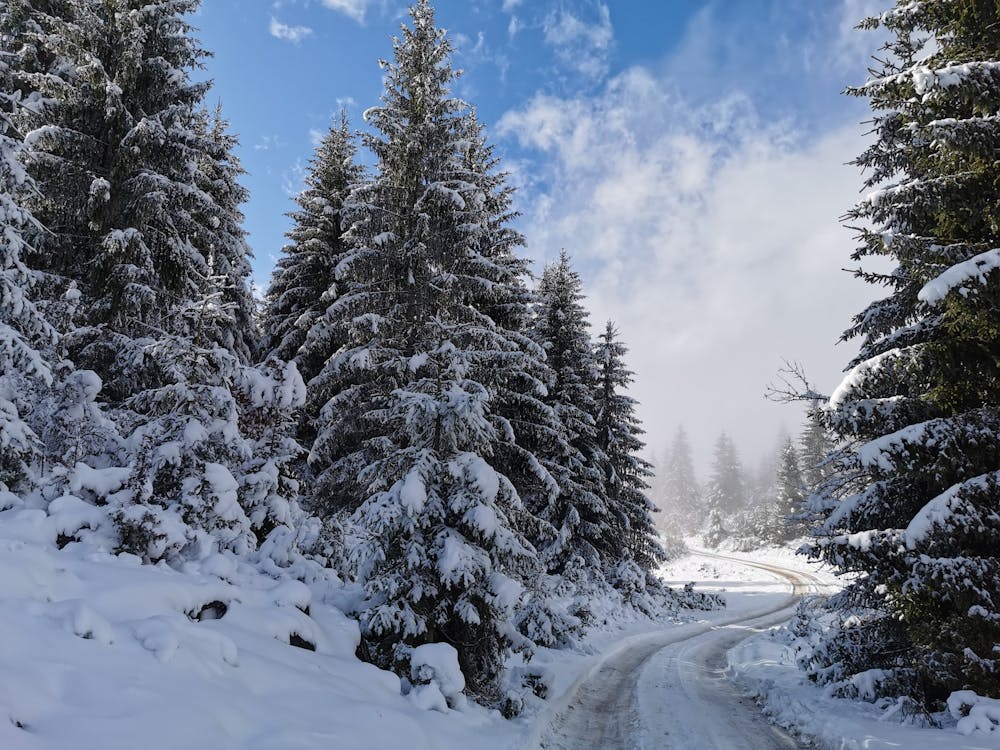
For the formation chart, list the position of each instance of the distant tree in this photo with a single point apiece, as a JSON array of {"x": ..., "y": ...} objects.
[
  {"x": 790, "y": 494},
  {"x": 726, "y": 494},
  {"x": 814, "y": 447},
  {"x": 678, "y": 489}
]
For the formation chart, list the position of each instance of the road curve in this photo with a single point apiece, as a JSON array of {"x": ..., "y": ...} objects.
[{"x": 668, "y": 691}]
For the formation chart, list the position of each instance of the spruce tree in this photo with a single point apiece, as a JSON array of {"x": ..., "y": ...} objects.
[
  {"x": 24, "y": 370},
  {"x": 790, "y": 494},
  {"x": 678, "y": 492},
  {"x": 211, "y": 449},
  {"x": 619, "y": 438},
  {"x": 580, "y": 513},
  {"x": 913, "y": 512},
  {"x": 409, "y": 435},
  {"x": 51, "y": 427},
  {"x": 118, "y": 151},
  {"x": 814, "y": 447},
  {"x": 725, "y": 495},
  {"x": 304, "y": 282},
  {"x": 145, "y": 261},
  {"x": 226, "y": 250}
]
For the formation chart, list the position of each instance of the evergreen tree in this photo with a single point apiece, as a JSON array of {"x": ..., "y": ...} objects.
[
  {"x": 23, "y": 329},
  {"x": 790, "y": 495},
  {"x": 409, "y": 431},
  {"x": 120, "y": 152},
  {"x": 619, "y": 438},
  {"x": 210, "y": 449},
  {"x": 226, "y": 250},
  {"x": 580, "y": 513},
  {"x": 304, "y": 283},
  {"x": 814, "y": 447},
  {"x": 518, "y": 393},
  {"x": 679, "y": 493},
  {"x": 50, "y": 424},
  {"x": 912, "y": 514},
  {"x": 139, "y": 186},
  {"x": 725, "y": 495}
]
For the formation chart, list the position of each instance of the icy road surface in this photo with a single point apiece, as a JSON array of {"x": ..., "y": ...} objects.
[{"x": 668, "y": 691}]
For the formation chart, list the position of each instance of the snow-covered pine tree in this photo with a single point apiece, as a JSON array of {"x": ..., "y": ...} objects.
[
  {"x": 117, "y": 152},
  {"x": 226, "y": 249},
  {"x": 814, "y": 447},
  {"x": 23, "y": 329},
  {"x": 518, "y": 391},
  {"x": 268, "y": 399},
  {"x": 409, "y": 429},
  {"x": 140, "y": 186},
  {"x": 580, "y": 514},
  {"x": 678, "y": 492},
  {"x": 789, "y": 496},
  {"x": 304, "y": 282},
  {"x": 211, "y": 447},
  {"x": 619, "y": 437},
  {"x": 915, "y": 517},
  {"x": 725, "y": 494}
]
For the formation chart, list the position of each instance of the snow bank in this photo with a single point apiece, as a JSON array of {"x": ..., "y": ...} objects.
[
  {"x": 974, "y": 713},
  {"x": 764, "y": 666},
  {"x": 101, "y": 651}
]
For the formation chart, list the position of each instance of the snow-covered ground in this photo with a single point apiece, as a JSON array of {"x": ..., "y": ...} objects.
[
  {"x": 98, "y": 651},
  {"x": 763, "y": 667}
]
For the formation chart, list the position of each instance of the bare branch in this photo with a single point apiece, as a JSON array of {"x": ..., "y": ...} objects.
[{"x": 792, "y": 385}]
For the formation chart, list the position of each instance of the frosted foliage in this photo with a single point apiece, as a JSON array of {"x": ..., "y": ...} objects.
[
  {"x": 407, "y": 436},
  {"x": 580, "y": 513},
  {"x": 23, "y": 330},
  {"x": 962, "y": 277},
  {"x": 211, "y": 452},
  {"x": 906, "y": 501}
]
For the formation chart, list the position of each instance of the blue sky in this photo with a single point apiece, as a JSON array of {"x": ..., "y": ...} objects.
[{"x": 689, "y": 153}]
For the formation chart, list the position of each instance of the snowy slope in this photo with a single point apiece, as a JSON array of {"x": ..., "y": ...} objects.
[{"x": 100, "y": 651}]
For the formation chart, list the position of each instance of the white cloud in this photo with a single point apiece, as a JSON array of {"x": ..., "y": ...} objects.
[
  {"x": 513, "y": 26},
  {"x": 510, "y": 5},
  {"x": 709, "y": 235},
  {"x": 293, "y": 178},
  {"x": 355, "y": 9},
  {"x": 268, "y": 142},
  {"x": 293, "y": 34},
  {"x": 579, "y": 45},
  {"x": 850, "y": 45}
]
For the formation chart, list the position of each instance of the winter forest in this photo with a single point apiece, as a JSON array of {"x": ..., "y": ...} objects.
[{"x": 404, "y": 493}]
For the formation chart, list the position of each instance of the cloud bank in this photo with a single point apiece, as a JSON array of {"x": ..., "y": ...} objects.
[{"x": 709, "y": 234}]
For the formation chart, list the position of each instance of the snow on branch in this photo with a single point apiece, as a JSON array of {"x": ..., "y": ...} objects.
[{"x": 960, "y": 276}]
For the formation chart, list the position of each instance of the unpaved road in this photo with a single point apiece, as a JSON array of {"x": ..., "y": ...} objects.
[{"x": 667, "y": 691}]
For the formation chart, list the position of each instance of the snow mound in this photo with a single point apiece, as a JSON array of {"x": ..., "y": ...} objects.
[{"x": 102, "y": 651}]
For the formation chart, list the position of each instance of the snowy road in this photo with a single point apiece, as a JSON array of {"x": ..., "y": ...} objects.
[{"x": 667, "y": 690}]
